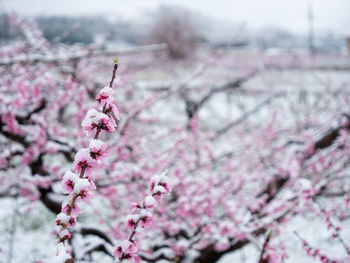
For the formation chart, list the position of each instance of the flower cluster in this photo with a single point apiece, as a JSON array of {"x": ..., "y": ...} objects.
[
  {"x": 96, "y": 121},
  {"x": 141, "y": 215},
  {"x": 316, "y": 252},
  {"x": 78, "y": 183}
]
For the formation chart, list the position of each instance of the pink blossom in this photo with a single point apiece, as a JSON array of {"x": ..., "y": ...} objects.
[
  {"x": 125, "y": 247},
  {"x": 160, "y": 180},
  {"x": 108, "y": 125},
  {"x": 131, "y": 221},
  {"x": 273, "y": 257},
  {"x": 133, "y": 258},
  {"x": 81, "y": 184},
  {"x": 82, "y": 159},
  {"x": 150, "y": 202},
  {"x": 42, "y": 181},
  {"x": 114, "y": 109},
  {"x": 75, "y": 210},
  {"x": 65, "y": 209},
  {"x": 85, "y": 196},
  {"x": 118, "y": 252},
  {"x": 68, "y": 186},
  {"x": 158, "y": 191},
  {"x": 105, "y": 96},
  {"x": 316, "y": 252},
  {"x": 92, "y": 185},
  {"x": 62, "y": 218},
  {"x": 64, "y": 234},
  {"x": 30, "y": 154},
  {"x": 207, "y": 229},
  {"x": 97, "y": 149},
  {"x": 144, "y": 215},
  {"x": 323, "y": 258},
  {"x": 29, "y": 193},
  {"x": 226, "y": 229},
  {"x": 10, "y": 120},
  {"x": 68, "y": 182},
  {"x": 97, "y": 120},
  {"x": 72, "y": 221},
  {"x": 146, "y": 220},
  {"x": 134, "y": 206}
]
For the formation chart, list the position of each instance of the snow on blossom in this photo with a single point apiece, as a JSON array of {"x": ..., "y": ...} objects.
[
  {"x": 114, "y": 109},
  {"x": 72, "y": 221},
  {"x": 150, "y": 202},
  {"x": 80, "y": 184},
  {"x": 131, "y": 221},
  {"x": 85, "y": 196},
  {"x": 118, "y": 251},
  {"x": 94, "y": 120},
  {"x": 97, "y": 149},
  {"x": 143, "y": 215},
  {"x": 72, "y": 183},
  {"x": 68, "y": 182},
  {"x": 160, "y": 180},
  {"x": 75, "y": 209},
  {"x": 126, "y": 249},
  {"x": 126, "y": 246},
  {"x": 64, "y": 234},
  {"x": 134, "y": 206},
  {"x": 159, "y": 185},
  {"x": 62, "y": 218},
  {"x": 105, "y": 96},
  {"x": 146, "y": 218},
  {"x": 158, "y": 191},
  {"x": 105, "y": 100},
  {"x": 83, "y": 159},
  {"x": 61, "y": 254},
  {"x": 133, "y": 258}
]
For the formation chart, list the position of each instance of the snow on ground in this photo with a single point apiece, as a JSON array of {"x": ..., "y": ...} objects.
[{"x": 27, "y": 228}]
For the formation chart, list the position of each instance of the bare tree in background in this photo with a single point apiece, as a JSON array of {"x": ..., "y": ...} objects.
[{"x": 175, "y": 27}]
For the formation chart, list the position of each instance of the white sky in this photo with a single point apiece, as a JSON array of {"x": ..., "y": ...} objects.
[{"x": 329, "y": 15}]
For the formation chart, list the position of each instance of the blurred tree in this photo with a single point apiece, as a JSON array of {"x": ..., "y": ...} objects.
[
  {"x": 6, "y": 31},
  {"x": 53, "y": 27},
  {"x": 175, "y": 27}
]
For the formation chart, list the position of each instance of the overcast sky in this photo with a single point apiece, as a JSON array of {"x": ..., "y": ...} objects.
[{"x": 329, "y": 15}]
